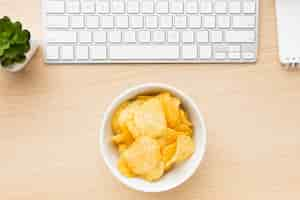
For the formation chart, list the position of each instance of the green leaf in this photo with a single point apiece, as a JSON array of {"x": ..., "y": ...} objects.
[
  {"x": 1, "y": 52},
  {"x": 21, "y": 37},
  {"x": 7, "y": 28},
  {"x": 6, "y": 62},
  {"x": 3, "y": 23},
  {"x": 20, "y": 58},
  {"x": 18, "y": 26},
  {"x": 4, "y": 44},
  {"x": 14, "y": 42},
  {"x": 13, "y": 51},
  {"x": 3, "y": 47},
  {"x": 27, "y": 47}
]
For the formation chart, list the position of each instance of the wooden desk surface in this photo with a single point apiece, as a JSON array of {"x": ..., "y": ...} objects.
[{"x": 50, "y": 116}]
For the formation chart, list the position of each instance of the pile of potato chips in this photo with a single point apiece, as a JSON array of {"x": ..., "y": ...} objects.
[{"x": 152, "y": 134}]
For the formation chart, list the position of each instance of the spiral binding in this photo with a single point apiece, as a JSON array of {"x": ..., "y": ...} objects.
[{"x": 292, "y": 63}]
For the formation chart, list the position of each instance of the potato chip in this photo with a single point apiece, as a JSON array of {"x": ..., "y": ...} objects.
[
  {"x": 122, "y": 147},
  {"x": 117, "y": 139},
  {"x": 123, "y": 138},
  {"x": 170, "y": 137},
  {"x": 184, "y": 128},
  {"x": 132, "y": 128},
  {"x": 115, "y": 118},
  {"x": 171, "y": 108},
  {"x": 184, "y": 118},
  {"x": 184, "y": 124},
  {"x": 127, "y": 113},
  {"x": 156, "y": 173},
  {"x": 143, "y": 155},
  {"x": 143, "y": 97},
  {"x": 124, "y": 169},
  {"x": 167, "y": 154},
  {"x": 184, "y": 149},
  {"x": 152, "y": 134},
  {"x": 149, "y": 119},
  {"x": 126, "y": 117}
]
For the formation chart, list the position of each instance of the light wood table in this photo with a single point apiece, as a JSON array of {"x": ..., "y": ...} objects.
[{"x": 50, "y": 117}]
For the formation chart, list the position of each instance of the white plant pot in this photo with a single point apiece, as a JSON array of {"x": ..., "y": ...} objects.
[{"x": 19, "y": 66}]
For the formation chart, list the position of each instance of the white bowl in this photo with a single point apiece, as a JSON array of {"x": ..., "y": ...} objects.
[
  {"x": 19, "y": 66},
  {"x": 180, "y": 173}
]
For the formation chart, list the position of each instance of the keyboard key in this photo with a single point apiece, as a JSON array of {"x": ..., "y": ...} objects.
[
  {"x": 61, "y": 37},
  {"x": 162, "y": 6},
  {"x": 82, "y": 52},
  {"x": 88, "y": 6},
  {"x": 195, "y": 21},
  {"x": 115, "y": 36},
  {"x": 52, "y": 52},
  {"x": 165, "y": 21},
  {"x": 99, "y": 36},
  {"x": 136, "y": 21},
  {"x": 223, "y": 21},
  {"x": 129, "y": 36},
  {"x": 234, "y": 48},
  {"x": 234, "y": 6},
  {"x": 205, "y": 7},
  {"x": 121, "y": 21},
  {"x": 234, "y": 52},
  {"x": 133, "y": 6},
  {"x": 220, "y": 7},
  {"x": 220, "y": 55},
  {"x": 220, "y": 52},
  {"x": 85, "y": 37},
  {"x": 151, "y": 22},
  {"x": 189, "y": 51},
  {"x": 248, "y": 52},
  {"x": 73, "y": 6},
  {"x": 216, "y": 36},
  {"x": 176, "y": 6},
  {"x": 107, "y": 21},
  {"x": 234, "y": 55},
  {"x": 180, "y": 21},
  {"x": 209, "y": 21},
  {"x": 248, "y": 55},
  {"x": 77, "y": 21},
  {"x": 92, "y": 21},
  {"x": 117, "y": 6},
  {"x": 249, "y": 7},
  {"x": 56, "y": 21},
  {"x": 243, "y": 21},
  {"x": 205, "y": 52},
  {"x": 102, "y": 6},
  {"x": 240, "y": 36},
  {"x": 67, "y": 53},
  {"x": 140, "y": 52},
  {"x": 248, "y": 47},
  {"x": 202, "y": 36},
  {"x": 187, "y": 36},
  {"x": 173, "y": 36},
  {"x": 97, "y": 52},
  {"x": 144, "y": 36},
  {"x": 158, "y": 36},
  {"x": 55, "y": 6},
  {"x": 191, "y": 6},
  {"x": 147, "y": 6}
]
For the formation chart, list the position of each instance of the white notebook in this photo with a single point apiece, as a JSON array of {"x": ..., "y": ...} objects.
[{"x": 288, "y": 28}]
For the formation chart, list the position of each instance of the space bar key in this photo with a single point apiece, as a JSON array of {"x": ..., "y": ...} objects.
[{"x": 142, "y": 52}]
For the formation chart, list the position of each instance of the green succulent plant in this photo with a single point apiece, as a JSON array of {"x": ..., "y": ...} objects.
[{"x": 14, "y": 42}]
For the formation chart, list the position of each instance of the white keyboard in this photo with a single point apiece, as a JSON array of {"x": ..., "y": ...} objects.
[{"x": 142, "y": 31}]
